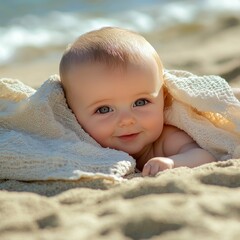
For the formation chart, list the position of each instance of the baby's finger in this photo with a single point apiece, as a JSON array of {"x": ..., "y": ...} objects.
[
  {"x": 146, "y": 170},
  {"x": 154, "y": 169}
]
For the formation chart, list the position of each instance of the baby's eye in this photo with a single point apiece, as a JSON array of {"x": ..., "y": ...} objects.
[
  {"x": 140, "y": 102},
  {"x": 104, "y": 109}
]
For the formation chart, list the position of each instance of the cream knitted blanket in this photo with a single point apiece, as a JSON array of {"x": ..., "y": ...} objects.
[
  {"x": 206, "y": 108},
  {"x": 42, "y": 140}
]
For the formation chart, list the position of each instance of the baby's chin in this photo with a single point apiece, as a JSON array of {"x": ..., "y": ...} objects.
[{"x": 134, "y": 152}]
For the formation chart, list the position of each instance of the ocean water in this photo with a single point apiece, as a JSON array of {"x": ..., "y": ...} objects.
[{"x": 34, "y": 28}]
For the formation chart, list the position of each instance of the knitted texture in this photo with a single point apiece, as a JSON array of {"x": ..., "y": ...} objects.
[
  {"x": 42, "y": 140},
  {"x": 206, "y": 108}
]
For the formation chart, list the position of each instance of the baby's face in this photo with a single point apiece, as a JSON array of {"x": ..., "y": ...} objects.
[{"x": 120, "y": 109}]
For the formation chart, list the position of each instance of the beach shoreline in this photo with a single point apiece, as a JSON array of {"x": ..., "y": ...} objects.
[
  {"x": 204, "y": 53},
  {"x": 182, "y": 203}
]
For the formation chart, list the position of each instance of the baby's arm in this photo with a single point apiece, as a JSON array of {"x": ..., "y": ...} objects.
[{"x": 179, "y": 150}]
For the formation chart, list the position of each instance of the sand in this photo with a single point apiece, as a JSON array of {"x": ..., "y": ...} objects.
[{"x": 183, "y": 203}]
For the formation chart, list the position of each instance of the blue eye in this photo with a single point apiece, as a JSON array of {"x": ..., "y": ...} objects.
[
  {"x": 104, "y": 109},
  {"x": 140, "y": 102}
]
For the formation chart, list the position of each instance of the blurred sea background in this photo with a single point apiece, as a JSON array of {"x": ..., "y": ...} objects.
[{"x": 202, "y": 36}]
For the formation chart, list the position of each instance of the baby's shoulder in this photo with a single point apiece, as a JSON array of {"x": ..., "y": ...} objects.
[
  {"x": 173, "y": 140},
  {"x": 160, "y": 143},
  {"x": 169, "y": 129}
]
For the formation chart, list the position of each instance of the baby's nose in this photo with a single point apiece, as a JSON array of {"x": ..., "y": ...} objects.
[{"x": 126, "y": 119}]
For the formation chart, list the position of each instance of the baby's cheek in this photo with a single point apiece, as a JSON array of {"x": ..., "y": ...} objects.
[
  {"x": 89, "y": 127},
  {"x": 100, "y": 133},
  {"x": 155, "y": 123}
]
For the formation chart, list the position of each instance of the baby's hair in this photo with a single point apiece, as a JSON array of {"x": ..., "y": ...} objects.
[{"x": 110, "y": 45}]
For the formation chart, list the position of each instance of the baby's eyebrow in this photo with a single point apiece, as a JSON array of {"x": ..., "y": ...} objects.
[
  {"x": 97, "y": 102},
  {"x": 152, "y": 94}
]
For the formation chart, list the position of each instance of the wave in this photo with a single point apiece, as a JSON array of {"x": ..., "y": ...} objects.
[{"x": 53, "y": 31}]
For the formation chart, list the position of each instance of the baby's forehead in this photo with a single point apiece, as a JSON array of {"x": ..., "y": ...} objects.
[
  {"x": 95, "y": 74},
  {"x": 91, "y": 68}
]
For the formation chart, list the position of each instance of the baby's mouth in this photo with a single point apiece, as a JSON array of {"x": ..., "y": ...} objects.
[{"x": 128, "y": 137}]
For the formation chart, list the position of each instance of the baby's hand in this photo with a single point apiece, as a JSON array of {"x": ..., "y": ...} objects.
[{"x": 155, "y": 165}]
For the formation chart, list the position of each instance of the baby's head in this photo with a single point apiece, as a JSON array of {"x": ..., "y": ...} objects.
[{"x": 113, "y": 83}]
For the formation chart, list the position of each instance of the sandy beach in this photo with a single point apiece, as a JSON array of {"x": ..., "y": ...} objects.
[
  {"x": 177, "y": 204},
  {"x": 200, "y": 203}
]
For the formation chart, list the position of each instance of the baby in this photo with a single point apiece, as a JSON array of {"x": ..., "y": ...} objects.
[{"x": 113, "y": 82}]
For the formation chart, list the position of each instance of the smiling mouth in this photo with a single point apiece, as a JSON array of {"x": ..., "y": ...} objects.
[{"x": 128, "y": 137}]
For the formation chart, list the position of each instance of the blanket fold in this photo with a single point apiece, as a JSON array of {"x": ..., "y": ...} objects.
[
  {"x": 42, "y": 140},
  {"x": 206, "y": 108}
]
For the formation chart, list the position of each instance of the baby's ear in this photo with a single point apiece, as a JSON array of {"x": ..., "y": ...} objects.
[
  {"x": 165, "y": 91},
  {"x": 167, "y": 97}
]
